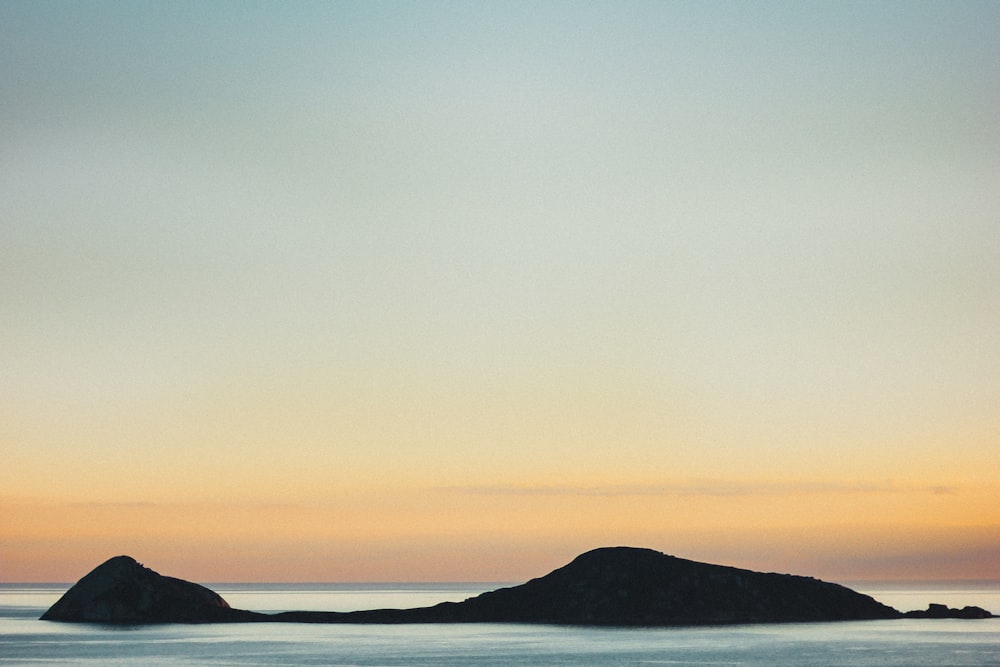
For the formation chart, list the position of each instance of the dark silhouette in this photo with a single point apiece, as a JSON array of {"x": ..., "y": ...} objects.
[
  {"x": 122, "y": 591},
  {"x": 615, "y": 586},
  {"x": 943, "y": 611}
]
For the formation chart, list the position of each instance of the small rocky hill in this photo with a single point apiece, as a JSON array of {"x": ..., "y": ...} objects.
[{"x": 122, "y": 591}]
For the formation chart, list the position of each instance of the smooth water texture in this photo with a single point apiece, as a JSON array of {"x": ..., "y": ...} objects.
[{"x": 24, "y": 640}]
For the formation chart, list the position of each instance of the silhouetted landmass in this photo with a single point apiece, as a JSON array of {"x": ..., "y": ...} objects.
[
  {"x": 122, "y": 591},
  {"x": 943, "y": 611},
  {"x": 615, "y": 586}
]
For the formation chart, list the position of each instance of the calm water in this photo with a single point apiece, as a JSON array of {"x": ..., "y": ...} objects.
[{"x": 27, "y": 641}]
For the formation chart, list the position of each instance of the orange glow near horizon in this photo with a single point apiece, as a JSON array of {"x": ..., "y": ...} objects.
[{"x": 510, "y": 534}]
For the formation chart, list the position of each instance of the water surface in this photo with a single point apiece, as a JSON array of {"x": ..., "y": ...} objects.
[{"x": 26, "y": 641}]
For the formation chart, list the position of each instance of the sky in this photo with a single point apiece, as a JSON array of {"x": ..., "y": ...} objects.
[{"x": 454, "y": 291}]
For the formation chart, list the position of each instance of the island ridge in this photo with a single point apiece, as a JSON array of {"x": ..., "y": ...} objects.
[{"x": 610, "y": 586}]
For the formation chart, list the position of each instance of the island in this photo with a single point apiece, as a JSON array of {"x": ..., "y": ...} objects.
[
  {"x": 124, "y": 592},
  {"x": 609, "y": 586}
]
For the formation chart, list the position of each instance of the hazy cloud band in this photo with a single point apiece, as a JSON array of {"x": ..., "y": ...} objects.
[{"x": 709, "y": 488}]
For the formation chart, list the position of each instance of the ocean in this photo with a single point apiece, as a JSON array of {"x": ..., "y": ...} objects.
[{"x": 24, "y": 640}]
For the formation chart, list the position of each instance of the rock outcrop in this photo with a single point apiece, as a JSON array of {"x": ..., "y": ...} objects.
[
  {"x": 122, "y": 591},
  {"x": 617, "y": 586},
  {"x": 943, "y": 611}
]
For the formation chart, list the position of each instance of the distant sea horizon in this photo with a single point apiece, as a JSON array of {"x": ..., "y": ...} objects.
[
  {"x": 902, "y": 594},
  {"x": 25, "y": 640}
]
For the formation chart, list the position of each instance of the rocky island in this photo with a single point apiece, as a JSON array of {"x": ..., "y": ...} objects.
[
  {"x": 612, "y": 586},
  {"x": 123, "y": 591}
]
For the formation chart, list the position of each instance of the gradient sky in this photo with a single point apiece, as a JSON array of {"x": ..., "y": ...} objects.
[{"x": 317, "y": 291}]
